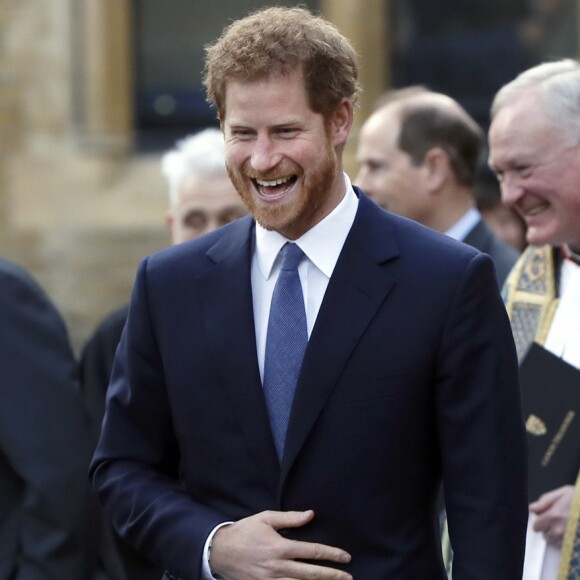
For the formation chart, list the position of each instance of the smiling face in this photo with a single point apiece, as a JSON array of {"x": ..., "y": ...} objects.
[
  {"x": 282, "y": 157},
  {"x": 539, "y": 171}
]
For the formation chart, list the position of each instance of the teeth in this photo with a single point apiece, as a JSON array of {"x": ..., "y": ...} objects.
[
  {"x": 272, "y": 183},
  {"x": 536, "y": 210}
]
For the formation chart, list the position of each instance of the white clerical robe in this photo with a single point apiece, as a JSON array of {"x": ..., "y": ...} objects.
[{"x": 542, "y": 559}]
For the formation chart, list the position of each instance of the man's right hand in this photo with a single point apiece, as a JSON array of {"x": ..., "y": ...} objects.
[{"x": 253, "y": 549}]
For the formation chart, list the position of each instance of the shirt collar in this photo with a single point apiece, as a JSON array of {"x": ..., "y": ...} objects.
[
  {"x": 322, "y": 244},
  {"x": 460, "y": 229}
]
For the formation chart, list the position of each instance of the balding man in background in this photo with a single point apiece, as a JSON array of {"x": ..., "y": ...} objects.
[{"x": 418, "y": 155}]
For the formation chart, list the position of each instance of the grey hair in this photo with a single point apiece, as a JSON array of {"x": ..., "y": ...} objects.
[
  {"x": 199, "y": 155},
  {"x": 558, "y": 85}
]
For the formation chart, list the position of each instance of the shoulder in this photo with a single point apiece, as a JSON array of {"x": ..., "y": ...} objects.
[
  {"x": 186, "y": 261},
  {"x": 33, "y": 320},
  {"x": 502, "y": 254},
  {"x": 413, "y": 239},
  {"x": 482, "y": 238},
  {"x": 13, "y": 274},
  {"x": 113, "y": 321},
  {"x": 416, "y": 255},
  {"x": 17, "y": 286}
]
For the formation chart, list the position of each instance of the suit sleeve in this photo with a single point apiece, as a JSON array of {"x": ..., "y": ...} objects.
[
  {"x": 135, "y": 468},
  {"x": 45, "y": 442},
  {"x": 482, "y": 434}
]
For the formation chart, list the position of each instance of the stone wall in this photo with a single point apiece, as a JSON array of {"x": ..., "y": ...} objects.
[{"x": 78, "y": 218}]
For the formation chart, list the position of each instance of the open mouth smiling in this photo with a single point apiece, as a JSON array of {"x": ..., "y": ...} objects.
[
  {"x": 274, "y": 188},
  {"x": 537, "y": 210}
]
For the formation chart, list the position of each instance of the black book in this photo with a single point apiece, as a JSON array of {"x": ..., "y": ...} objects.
[{"x": 551, "y": 401}]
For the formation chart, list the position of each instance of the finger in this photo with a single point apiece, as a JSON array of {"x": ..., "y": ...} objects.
[
  {"x": 281, "y": 520},
  {"x": 545, "y": 522},
  {"x": 541, "y": 524},
  {"x": 306, "y": 571},
  {"x": 546, "y": 500},
  {"x": 311, "y": 551},
  {"x": 553, "y": 537}
]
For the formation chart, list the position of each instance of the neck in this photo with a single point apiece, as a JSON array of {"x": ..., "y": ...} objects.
[{"x": 452, "y": 212}]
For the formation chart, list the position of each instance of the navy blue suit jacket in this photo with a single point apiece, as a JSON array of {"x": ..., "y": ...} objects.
[{"x": 410, "y": 375}]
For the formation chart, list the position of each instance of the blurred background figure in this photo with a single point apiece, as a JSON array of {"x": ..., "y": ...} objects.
[
  {"x": 418, "y": 155},
  {"x": 48, "y": 527},
  {"x": 468, "y": 49},
  {"x": 201, "y": 195},
  {"x": 501, "y": 219},
  {"x": 201, "y": 199}
]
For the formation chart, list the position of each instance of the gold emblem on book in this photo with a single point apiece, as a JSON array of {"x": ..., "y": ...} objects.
[{"x": 535, "y": 426}]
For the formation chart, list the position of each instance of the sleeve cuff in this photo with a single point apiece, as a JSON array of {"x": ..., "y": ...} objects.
[{"x": 205, "y": 567}]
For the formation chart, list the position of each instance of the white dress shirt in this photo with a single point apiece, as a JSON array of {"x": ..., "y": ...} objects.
[
  {"x": 459, "y": 230},
  {"x": 322, "y": 245},
  {"x": 543, "y": 559}
]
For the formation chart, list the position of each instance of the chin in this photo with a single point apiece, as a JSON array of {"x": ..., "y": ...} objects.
[{"x": 543, "y": 240}]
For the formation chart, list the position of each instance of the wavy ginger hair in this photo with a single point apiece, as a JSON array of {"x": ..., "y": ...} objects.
[{"x": 274, "y": 42}]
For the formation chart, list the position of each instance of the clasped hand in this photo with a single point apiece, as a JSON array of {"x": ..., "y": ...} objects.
[{"x": 253, "y": 549}]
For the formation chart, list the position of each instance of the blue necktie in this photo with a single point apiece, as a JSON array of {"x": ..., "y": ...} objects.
[{"x": 285, "y": 344}]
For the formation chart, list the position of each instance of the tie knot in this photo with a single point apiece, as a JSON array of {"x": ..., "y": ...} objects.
[{"x": 291, "y": 256}]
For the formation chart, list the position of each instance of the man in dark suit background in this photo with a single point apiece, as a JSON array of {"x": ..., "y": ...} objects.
[
  {"x": 409, "y": 374},
  {"x": 47, "y": 514},
  {"x": 419, "y": 154}
]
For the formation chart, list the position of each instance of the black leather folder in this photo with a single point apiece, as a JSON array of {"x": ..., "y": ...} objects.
[{"x": 551, "y": 401}]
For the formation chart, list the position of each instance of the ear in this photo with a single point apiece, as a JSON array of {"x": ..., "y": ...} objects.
[
  {"x": 341, "y": 123},
  {"x": 438, "y": 168}
]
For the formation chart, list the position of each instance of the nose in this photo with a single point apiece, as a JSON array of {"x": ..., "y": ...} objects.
[
  {"x": 264, "y": 156},
  {"x": 213, "y": 223}
]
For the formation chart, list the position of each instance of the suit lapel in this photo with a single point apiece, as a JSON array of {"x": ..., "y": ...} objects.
[
  {"x": 358, "y": 286},
  {"x": 229, "y": 320}
]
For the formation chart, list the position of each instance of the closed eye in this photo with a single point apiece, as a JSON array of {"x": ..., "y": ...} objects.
[
  {"x": 375, "y": 166},
  {"x": 242, "y": 133},
  {"x": 287, "y": 132},
  {"x": 524, "y": 170}
]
